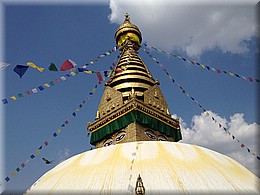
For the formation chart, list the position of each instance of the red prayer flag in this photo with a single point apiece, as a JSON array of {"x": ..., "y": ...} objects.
[
  {"x": 22, "y": 165},
  {"x": 67, "y": 65},
  {"x": 100, "y": 78}
]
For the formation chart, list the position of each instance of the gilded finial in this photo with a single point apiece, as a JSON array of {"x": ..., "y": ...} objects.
[
  {"x": 127, "y": 17},
  {"x": 139, "y": 187}
]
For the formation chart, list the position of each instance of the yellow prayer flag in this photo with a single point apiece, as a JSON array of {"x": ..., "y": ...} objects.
[
  {"x": 40, "y": 69},
  {"x": 72, "y": 73},
  {"x": 13, "y": 174},
  {"x": 37, "y": 152},
  {"x": 91, "y": 62},
  {"x": 202, "y": 65},
  {"x": 59, "y": 130},
  {"x": 46, "y": 85},
  {"x": 13, "y": 97},
  {"x": 232, "y": 74},
  {"x": 107, "y": 53},
  {"x": 88, "y": 72},
  {"x": 31, "y": 64}
]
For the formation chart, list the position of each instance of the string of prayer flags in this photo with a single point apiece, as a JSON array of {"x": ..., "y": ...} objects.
[
  {"x": 198, "y": 104},
  {"x": 20, "y": 69},
  {"x": 67, "y": 65},
  {"x": 107, "y": 53},
  {"x": 205, "y": 66},
  {"x": 52, "y": 67},
  {"x": 31, "y": 64}
]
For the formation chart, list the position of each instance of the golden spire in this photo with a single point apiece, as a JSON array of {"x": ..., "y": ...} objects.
[
  {"x": 128, "y": 31},
  {"x": 132, "y": 103}
]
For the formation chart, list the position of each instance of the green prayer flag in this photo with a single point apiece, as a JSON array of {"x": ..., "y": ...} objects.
[
  {"x": 52, "y": 67},
  {"x": 20, "y": 95}
]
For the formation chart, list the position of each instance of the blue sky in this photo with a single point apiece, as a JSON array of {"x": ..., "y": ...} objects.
[{"x": 48, "y": 33}]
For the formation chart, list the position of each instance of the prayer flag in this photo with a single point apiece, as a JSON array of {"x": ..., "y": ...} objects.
[
  {"x": 100, "y": 79},
  {"x": 57, "y": 80},
  {"x": 250, "y": 79},
  {"x": 46, "y": 143},
  {"x": 20, "y": 70},
  {"x": 7, "y": 179},
  {"x": 119, "y": 70},
  {"x": 72, "y": 73},
  {"x": 54, "y": 134},
  {"x": 74, "y": 114},
  {"x": 52, "y": 83},
  {"x": 4, "y": 101},
  {"x": 22, "y": 165},
  {"x": 53, "y": 67},
  {"x": 20, "y": 95},
  {"x": 34, "y": 90},
  {"x": 233, "y": 136},
  {"x": 17, "y": 169},
  {"x": 218, "y": 71},
  {"x": 13, "y": 174},
  {"x": 248, "y": 150},
  {"x": 37, "y": 152},
  {"x": 40, "y": 148},
  {"x": 59, "y": 130},
  {"x": 32, "y": 156},
  {"x": 63, "y": 78},
  {"x": 63, "y": 125},
  {"x": 31, "y": 64},
  {"x": 3, "y": 65},
  {"x": 81, "y": 69},
  {"x": 89, "y": 71},
  {"x": 13, "y": 97},
  {"x": 28, "y": 92},
  {"x": 41, "y": 88},
  {"x": 67, "y": 65},
  {"x": 242, "y": 145},
  {"x": 46, "y": 85},
  {"x": 66, "y": 122}
]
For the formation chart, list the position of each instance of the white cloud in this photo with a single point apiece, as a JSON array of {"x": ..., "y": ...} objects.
[
  {"x": 192, "y": 27},
  {"x": 205, "y": 132}
]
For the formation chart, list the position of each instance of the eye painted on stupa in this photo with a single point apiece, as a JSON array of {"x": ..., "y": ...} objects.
[
  {"x": 162, "y": 138},
  {"x": 120, "y": 136},
  {"x": 108, "y": 142},
  {"x": 150, "y": 134}
]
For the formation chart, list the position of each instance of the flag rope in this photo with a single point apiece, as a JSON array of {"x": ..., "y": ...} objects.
[
  {"x": 62, "y": 78},
  {"x": 199, "y": 105},
  {"x": 203, "y": 66},
  {"x": 58, "y": 131}
]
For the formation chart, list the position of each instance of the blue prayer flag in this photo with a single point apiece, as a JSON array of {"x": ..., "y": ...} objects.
[
  {"x": 20, "y": 70},
  {"x": 41, "y": 88},
  {"x": 32, "y": 156},
  {"x": 7, "y": 179},
  {"x": 54, "y": 134},
  {"x": 4, "y": 101}
]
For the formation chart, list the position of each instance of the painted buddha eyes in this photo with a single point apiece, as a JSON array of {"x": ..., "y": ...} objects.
[
  {"x": 150, "y": 135},
  {"x": 161, "y": 138},
  {"x": 120, "y": 136},
  {"x": 108, "y": 142}
]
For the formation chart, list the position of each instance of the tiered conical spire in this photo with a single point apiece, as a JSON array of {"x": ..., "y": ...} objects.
[{"x": 133, "y": 107}]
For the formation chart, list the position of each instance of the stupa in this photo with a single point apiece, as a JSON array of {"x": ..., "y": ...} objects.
[{"x": 136, "y": 140}]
